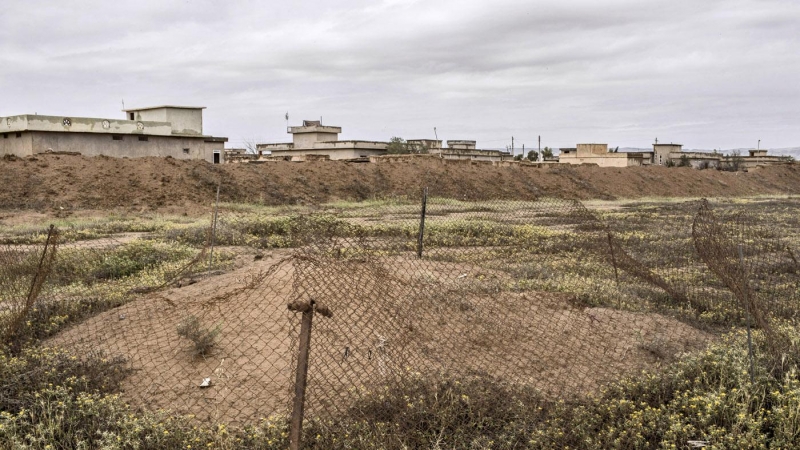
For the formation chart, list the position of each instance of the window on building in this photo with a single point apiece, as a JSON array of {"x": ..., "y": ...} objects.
[
  {"x": 143, "y": 138},
  {"x": 5, "y": 135},
  {"x": 132, "y": 116},
  {"x": 186, "y": 151},
  {"x": 116, "y": 137},
  {"x": 18, "y": 134}
]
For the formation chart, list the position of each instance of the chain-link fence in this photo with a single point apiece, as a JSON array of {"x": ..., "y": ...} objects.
[{"x": 545, "y": 294}]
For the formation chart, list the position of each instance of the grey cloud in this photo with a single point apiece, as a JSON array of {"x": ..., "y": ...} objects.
[{"x": 709, "y": 73}]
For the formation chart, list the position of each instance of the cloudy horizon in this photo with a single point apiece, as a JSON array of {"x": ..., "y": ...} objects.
[{"x": 710, "y": 74}]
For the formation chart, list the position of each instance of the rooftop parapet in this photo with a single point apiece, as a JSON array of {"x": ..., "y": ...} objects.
[
  {"x": 313, "y": 126},
  {"x": 461, "y": 144}
]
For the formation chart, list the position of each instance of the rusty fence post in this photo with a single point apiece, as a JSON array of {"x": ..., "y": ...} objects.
[
  {"x": 746, "y": 305},
  {"x": 421, "y": 233},
  {"x": 214, "y": 230},
  {"x": 301, "y": 375},
  {"x": 613, "y": 258},
  {"x": 33, "y": 292}
]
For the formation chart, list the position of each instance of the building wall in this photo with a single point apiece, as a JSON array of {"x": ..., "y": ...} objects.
[
  {"x": 82, "y": 125},
  {"x": 183, "y": 120},
  {"x": 306, "y": 140},
  {"x": 461, "y": 145},
  {"x": 89, "y": 144},
  {"x": 18, "y": 144},
  {"x": 587, "y": 150},
  {"x": 429, "y": 143},
  {"x": 661, "y": 152},
  {"x": 476, "y": 157},
  {"x": 186, "y": 121},
  {"x": 607, "y": 160},
  {"x": 332, "y": 153}
]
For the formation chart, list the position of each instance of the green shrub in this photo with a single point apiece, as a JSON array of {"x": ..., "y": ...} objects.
[
  {"x": 203, "y": 338},
  {"x": 136, "y": 256}
]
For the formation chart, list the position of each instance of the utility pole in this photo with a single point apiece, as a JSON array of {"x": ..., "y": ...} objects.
[
  {"x": 435, "y": 133},
  {"x": 759, "y": 145},
  {"x": 540, "y": 143},
  {"x": 512, "y": 146}
]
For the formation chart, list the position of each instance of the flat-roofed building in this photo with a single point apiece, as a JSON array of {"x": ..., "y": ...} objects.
[
  {"x": 598, "y": 154},
  {"x": 175, "y": 131},
  {"x": 315, "y": 139}
]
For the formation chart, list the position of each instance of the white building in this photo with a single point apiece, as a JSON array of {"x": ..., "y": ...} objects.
[{"x": 175, "y": 131}]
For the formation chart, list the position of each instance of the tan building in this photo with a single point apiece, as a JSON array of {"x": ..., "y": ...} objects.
[
  {"x": 674, "y": 155},
  {"x": 315, "y": 139},
  {"x": 662, "y": 153},
  {"x": 466, "y": 150},
  {"x": 175, "y": 131},
  {"x": 431, "y": 145},
  {"x": 598, "y": 154}
]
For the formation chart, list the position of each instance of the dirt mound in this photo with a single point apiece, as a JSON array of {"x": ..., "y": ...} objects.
[
  {"x": 77, "y": 182},
  {"x": 377, "y": 331}
]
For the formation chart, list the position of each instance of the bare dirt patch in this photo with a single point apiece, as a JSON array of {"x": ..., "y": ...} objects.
[{"x": 390, "y": 316}]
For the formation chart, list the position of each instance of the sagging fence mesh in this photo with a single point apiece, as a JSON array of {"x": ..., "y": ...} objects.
[{"x": 546, "y": 294}]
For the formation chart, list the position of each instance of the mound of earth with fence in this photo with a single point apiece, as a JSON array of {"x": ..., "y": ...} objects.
[{"x": 201, "y": 318}]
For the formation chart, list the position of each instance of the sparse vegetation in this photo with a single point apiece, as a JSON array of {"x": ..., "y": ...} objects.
[
  {"x": 399, "y": 146},
  {"x": 50, "y": 395},
  {"x": 203, "y": 338}
]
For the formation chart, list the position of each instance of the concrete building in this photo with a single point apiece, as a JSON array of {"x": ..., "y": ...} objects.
[
  {"x": 315, "y": 139},
  {"x": 466, "y": 150},
  {"x": 175, "y": 131},
  {"x": 662, "y": 153},
  {"x": 599, "y": 154},
  {"x": 674, "y": 155},
  {"x": 422, "y": 145}
]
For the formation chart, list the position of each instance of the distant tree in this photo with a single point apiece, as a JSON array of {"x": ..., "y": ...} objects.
[
  {"x": 670, "y": 162},
  {"x": 250, "y": 146},
  {"x": 421, "y": 149},
  {"x": 533, "y": 155},
  {"x": 547, "y": 152},
  {"x": 616, "y": 150},
  {"x": 397, "y": 146},
  {"x": 735, "y": 160},
  {"x": 684, "y": 162},
  {"x": 518, "y": 157}
]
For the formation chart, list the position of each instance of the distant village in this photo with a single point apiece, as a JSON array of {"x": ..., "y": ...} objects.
[{"x": 177, "y": 132}]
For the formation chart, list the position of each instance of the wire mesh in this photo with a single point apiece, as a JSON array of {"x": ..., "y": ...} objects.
[{"x": 545, "y": 294}]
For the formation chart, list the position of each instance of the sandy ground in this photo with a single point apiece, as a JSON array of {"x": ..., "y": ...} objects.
[
  {"x": 47, "y": 183},
  {"x": 391, "y": 315}
]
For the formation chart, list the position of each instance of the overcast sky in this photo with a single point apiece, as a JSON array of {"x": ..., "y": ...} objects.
[{"x": 705, "y": 73}]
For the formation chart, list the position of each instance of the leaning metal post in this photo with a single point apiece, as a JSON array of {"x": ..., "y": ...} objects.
[
  {"x": 33, "y": 292},
  {"x": 301, "y": 376},
  {"x": 214, "y": 230},
  {"x": 747, "y": 310},
  {"x": 613, "y": 258},
  {"x": 421, "y": 234}
]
